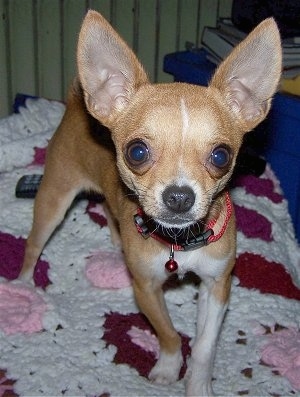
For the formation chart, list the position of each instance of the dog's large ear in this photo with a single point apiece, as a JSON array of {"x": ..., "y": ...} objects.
[
  {"x": 249, "y": 76},
  {"x": 109, "y": 71}
]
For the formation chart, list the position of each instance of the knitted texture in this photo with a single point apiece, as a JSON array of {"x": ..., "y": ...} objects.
[{"x": 94, "y": 341}]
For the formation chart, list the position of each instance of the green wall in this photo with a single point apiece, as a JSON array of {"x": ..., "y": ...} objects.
[{"x": 38, "y": 38}]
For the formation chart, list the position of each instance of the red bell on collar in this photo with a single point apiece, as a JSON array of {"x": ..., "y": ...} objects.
[{"x": 171, "y": 265}]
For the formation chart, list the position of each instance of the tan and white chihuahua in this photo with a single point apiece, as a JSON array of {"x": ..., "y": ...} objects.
[{"x": 162, "y": 155}]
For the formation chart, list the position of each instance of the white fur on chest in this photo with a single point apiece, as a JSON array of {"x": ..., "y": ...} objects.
[{"x": 197, "y": 261}]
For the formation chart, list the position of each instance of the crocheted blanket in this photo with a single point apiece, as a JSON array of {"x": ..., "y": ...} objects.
[{"x": 82, "y": 334}]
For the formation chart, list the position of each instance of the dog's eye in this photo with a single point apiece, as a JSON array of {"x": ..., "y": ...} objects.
[
  {"x": 137, "y": 153},
  {"x": 220, "y": 156}
]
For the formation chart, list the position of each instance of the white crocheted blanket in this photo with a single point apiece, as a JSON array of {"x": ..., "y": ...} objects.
[{"x": 60, "y": 341}]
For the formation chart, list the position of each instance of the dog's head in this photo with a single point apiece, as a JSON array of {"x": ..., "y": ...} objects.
[{"x": 177, "y": 143}]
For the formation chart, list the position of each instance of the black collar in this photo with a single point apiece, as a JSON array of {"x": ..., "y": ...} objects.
[{"x": 186, "y": 239}]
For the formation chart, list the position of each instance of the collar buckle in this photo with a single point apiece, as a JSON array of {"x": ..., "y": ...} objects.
[
  {"x": 140, "y": 225},
  {"x": 198, "y": 242}
]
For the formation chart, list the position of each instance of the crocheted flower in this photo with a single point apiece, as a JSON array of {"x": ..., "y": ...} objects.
[
  {"x": 253, "y": 224},
  {"x": 145, "y": 339},
  {"x": 21, "y": 309},
  {"x": 11, "y": 258},
  {"x": 260, "y": 187},
  {"x": 106, "y": 269},
  {"x": 136, "y": 343},
  {"x": 39, "y": 156},
  {"x": 96, "y": 213},
  {"x": 283, "y": 353},
  {"x": 255, "y": 271}
]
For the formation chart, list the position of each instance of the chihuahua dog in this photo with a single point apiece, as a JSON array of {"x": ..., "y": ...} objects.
[{"x": 162, "y": 155}]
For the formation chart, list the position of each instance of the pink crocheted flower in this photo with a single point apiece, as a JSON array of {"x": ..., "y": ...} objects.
[
  {"x": 283, "y": 353},
  {"x": 144, "y": 339},
  {"x": 21, "y": 309},
  {"x": 106, "y": 269}
]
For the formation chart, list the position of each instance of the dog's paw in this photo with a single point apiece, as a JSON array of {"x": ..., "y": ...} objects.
[
  {"x": 199, "y": 389},
  {"x": 167, "y": 368},
  {"x": 197, "y": 384}
]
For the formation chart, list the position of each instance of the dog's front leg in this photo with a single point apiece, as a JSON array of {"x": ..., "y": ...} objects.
[
  {"x": 151, "y": 301},
  {"x": 213, "y": 302}
]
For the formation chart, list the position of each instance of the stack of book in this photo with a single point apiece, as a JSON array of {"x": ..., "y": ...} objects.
[{"x": 219, "y": 42}]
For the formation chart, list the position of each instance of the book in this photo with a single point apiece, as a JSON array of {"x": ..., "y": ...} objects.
[
  {"x": 225, "y": 25},
  {"x": 220, "y": 41},
  {"x": 216, "y": 43}
]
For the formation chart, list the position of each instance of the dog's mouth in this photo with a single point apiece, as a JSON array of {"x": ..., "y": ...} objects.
[
  {"x": 182, "y": 232},
  {"x": 176, "y": 223},
  {"x": 169, "y": 219},
  {"x": 187, "y": 235}
]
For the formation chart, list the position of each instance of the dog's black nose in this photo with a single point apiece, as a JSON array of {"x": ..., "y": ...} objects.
[{"x": 178, "y": 198}]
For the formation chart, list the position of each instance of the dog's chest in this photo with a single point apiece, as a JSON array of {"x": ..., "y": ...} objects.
[{"x": 197, "y": 261}]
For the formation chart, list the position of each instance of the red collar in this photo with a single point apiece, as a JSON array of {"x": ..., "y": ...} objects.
[{"x": 186, "y": 239}]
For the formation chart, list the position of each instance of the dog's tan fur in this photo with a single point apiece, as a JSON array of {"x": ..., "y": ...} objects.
[{"x": 181, "y": 125}]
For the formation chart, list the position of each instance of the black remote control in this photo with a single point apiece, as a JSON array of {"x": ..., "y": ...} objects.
[{"x": 28, "y": 186}]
